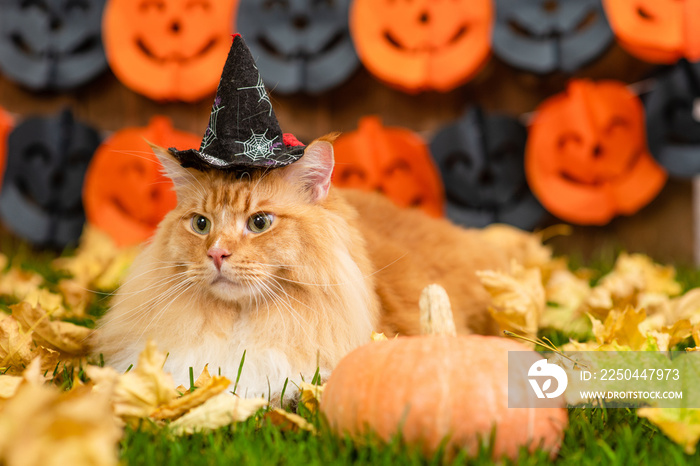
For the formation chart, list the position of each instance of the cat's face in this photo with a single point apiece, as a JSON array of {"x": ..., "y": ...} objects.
[{"x": 245, "y": 238}]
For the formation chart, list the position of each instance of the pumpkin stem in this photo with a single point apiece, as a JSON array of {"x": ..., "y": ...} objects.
[{"x": 436, "y": 312}]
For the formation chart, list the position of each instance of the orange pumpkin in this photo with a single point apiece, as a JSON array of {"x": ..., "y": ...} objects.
[
  {"x": 5, "y": 128},
  {"x": 586, "y": 158},
  {"x": 434, "y": 388},
  {"x": 125, "y": 194},
  {"x": 422, "y": 44},
  {"x": 659, "y": 31},
  {"x": 168, "y": 50},
  {"x": 394, "y": 161}
]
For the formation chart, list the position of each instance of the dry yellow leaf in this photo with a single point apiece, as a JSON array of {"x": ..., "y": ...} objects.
[
  {"x": 517, "y": 298},
  {"x": 310, "y": 395},
  {"x": 144, "y": 389},
  {"x": 41, "y": 425},
  {"x": 9, "y": 385},
  {"x": 687, "y": 307},
  {"x": 632, "y": 274},
  {"x": 202, "y": 380},
  {"x": 116, "y": 270},
  {"x": 62, "y": 336},
  {"x": 288, "y": 421},
  {"x": 219, "y": 411},
  {"x": 15, "y": 346},
  {"x": 98, "y": 262},
  {"x": 622, "y": 328},
  {"x": 19, "y": 283},
  {"x": 682, "y": 425},
  {"x": 565, "y": 294},
  {"x": 179, "y": 406},
  {"x": 75, "y": 295}
]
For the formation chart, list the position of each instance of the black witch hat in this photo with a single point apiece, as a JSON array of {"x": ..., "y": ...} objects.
[{"x": 243, "y": 131}]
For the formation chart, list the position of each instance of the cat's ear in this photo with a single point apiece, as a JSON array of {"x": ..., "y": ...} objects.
[
  {"x": 180, "y": 176},
  {"x": 312, "y": 172}
]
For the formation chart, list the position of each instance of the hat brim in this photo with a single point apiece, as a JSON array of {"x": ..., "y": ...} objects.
[{"x": 192, "y": 158}]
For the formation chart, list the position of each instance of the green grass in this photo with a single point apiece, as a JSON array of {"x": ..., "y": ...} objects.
[{"x": 594, "y": 437}]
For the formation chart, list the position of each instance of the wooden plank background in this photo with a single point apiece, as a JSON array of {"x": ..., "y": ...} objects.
[{"x": 663, "y": 229}]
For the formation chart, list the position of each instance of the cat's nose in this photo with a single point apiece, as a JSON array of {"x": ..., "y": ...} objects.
[{"x": 218, "y": 255}]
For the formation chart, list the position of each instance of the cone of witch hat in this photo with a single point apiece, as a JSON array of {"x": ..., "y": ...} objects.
[{"x": 243, "y": 132}]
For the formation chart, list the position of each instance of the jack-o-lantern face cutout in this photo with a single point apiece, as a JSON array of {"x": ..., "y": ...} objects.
[
  {"x": 299, "y": 45},
  {"x": 125, "y": 194},
  {"x": 673, "y": 120},
  {"x": 658, "y": 31},
  {"x": 550, "y": 35},
  {"x": 168, "y": 49},
  {"x": 5, "y": 128},
  {"x": 394, "y": 161},
  {"x": 419, "y": 45},
  {"x": 586, "y": 158},
  {"x": 41, "y": 192},
  {"x": 481, "y": 159},
  {"x": 51, "y": 44}
]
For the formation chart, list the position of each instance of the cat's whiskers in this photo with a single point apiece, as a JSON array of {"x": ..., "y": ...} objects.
[
  {"x": 268, "y": 294},
  {"x": 161, "y": 281},
  {"x": 149, "y": 271},
  {"x": 288, "y": 306},
  {"x": 157, "y": 305},
  {"x": 279, "y": 286},
  {"x": 133, "y": 311},
  {"x": 163, "y": 309}
]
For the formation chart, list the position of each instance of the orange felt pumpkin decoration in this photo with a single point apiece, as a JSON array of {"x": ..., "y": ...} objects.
[
  {"x": 168, "y": 50},
  {"x": 659, "y": 31},
  {"x": 394, "y": 161},
  {"x": 586, "y": 158},
  {"x": 437, "y": 387},
  {"x": 5, "y": 128},
  {"x": 125, "y": 194},
  {"x": 422, "y": 44}
]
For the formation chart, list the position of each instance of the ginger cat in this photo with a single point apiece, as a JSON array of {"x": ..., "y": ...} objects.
[{"x": 294, "y": 271}]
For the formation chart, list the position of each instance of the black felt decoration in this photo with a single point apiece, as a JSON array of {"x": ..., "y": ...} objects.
[
  {"x": 550, "y": 35},
  {"x": 480, "y": 158},
  {"x": 41, "y": 191},
  {"x": 51, "y": 44},
  {"x": 299, "y": 45},
  {"x": 673, "y": 120},
  {"x": 243, "y": 131}
]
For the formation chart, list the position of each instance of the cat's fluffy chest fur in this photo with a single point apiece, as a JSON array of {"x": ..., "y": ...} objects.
[{"x": 329, "y": 268}]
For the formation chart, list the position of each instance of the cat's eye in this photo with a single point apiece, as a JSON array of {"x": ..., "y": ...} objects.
[
  {"x": 257, "y": 223},
  {"x": 201, "y": 224}
]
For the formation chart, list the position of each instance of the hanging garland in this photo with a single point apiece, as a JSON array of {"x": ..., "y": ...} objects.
[
  {"x": 673, "y": 120},
  {"x": 391, "y": 160},
  {"x": 125, "y": 193},
  {"x": 168, "y": 50},
  {"x": 41, "y": 191},
  {"x": 586, "y": 158},
  {"x": 51, "y": 45},
  {"x": 422, "y": 45},
  {"x": 543, "y": 37},
  {"x": 299, "y": 49},
  {"x": 657, "y": 31},
  {"x": 480, "y": 158}
]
